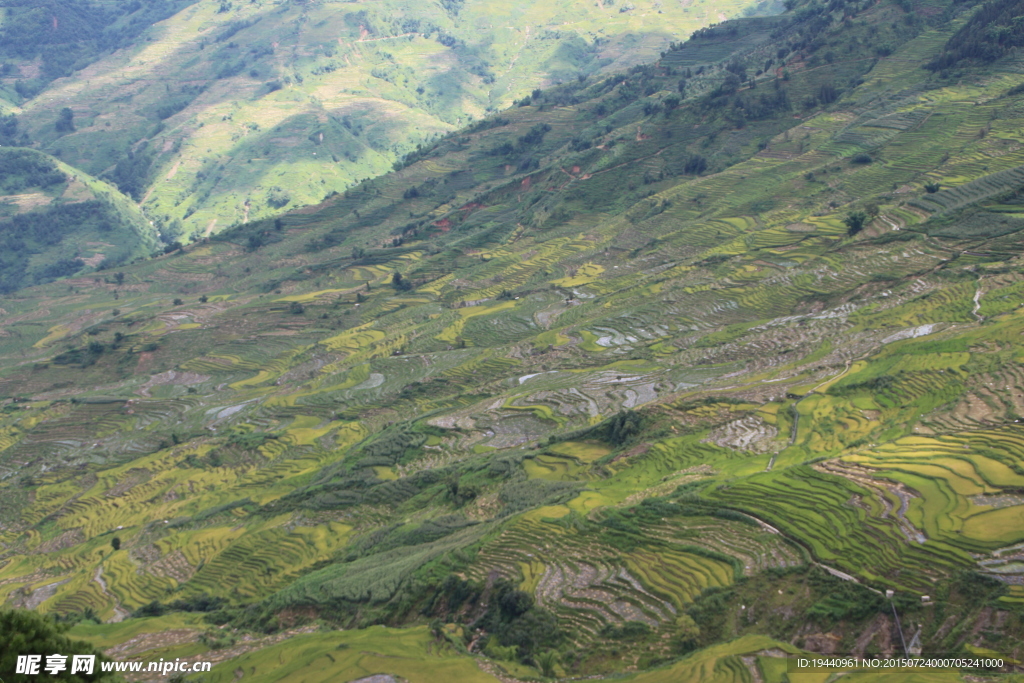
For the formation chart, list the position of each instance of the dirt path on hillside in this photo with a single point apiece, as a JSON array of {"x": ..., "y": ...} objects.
[
  {"x": 120, "y": 613},
  {"x": 796, "y": 412}
]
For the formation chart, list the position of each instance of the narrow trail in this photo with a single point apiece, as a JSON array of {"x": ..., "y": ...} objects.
[
  {"x": 977, "y": 305},
  {"x": 893, "y": 225},
  {"x": 512, "y": 63},
  {"x": 120, "y": 613},
  {"x": 796, "y": 412},
  {"x": 374, "y": 40},
  {"x": 831, "y": 570},
  {"x": 755, "y": 672},
  {"x": 792, "y": 434}
]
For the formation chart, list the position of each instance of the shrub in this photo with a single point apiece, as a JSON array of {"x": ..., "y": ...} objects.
[
  {"x": 65, "y": 123},
  {"x": 152, "y": 609},
  {"x": 855, "y": 222},
  {"x": 630, "y": 630},
  {"x": 278, "y": 198},
  {"x": 400, "y": 283}
]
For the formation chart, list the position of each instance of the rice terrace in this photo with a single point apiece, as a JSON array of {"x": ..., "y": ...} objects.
[{"x": 394, "y": 342}]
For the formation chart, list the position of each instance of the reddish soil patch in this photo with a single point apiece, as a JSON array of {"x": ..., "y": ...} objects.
[
  {"x": 69, "y": 538},
  {"x": 288, "y": 617},
  {"x": 148, "y": 641},
  {"x": 145, "y": 361},
  {"x": 313, "y": 208},
  {"x": 825, "y": 643},
  {"x": 32, "y": 70},
  {"x": 636, "y": 450}
]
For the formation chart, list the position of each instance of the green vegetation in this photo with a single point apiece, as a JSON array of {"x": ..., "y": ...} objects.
[
  {"x": 68, "y": 35},
  {"x": 25, "y": 633},
  {"x": 54, "y": 218},
  {"x": 986, "y": 37},
  {"x": 211, "y": 113},
  {"x": 659, "y": 374},
  {"x": 414, "y": 654}
]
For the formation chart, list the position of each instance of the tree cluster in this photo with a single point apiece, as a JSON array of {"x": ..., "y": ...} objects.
[
  {"x": 515, "y": 622},
  {"x": 70, "y": 34},
  {"x": 991, "y": 33},
  {"x": 26, "y": 633},
  {"x": 22, "y": 169},
  {"x": 26, "y": 234}
]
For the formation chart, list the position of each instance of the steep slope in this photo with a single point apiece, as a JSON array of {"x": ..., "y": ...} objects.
[
  {"x": 226, "y": 112},
  {"x": 57, "y": 221},
  {"x": 42, "y": 40},
  {"x": 712, "y": 355}
]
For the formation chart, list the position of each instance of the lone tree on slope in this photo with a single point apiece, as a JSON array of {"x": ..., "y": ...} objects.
[{"x": 855, "y": 222}]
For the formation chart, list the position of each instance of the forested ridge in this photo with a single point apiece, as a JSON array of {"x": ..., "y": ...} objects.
[
  {"x": 46, "y": 239},
  {"x": 68, "y": 35}
]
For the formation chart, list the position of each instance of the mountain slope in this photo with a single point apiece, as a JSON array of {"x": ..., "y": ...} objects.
[
  {"x": 58, "y": 221},
  {"x": 667, "y": 372},
  {"x": 227, "y": 112}
]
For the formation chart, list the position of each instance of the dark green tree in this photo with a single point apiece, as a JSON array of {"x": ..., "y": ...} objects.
[
  {"x": 400, "y": 283},
  {"x": 65, "y": 122},
  {"x": 27, "y": 633},
  {"x": 515, "y": 620},
  {"x": 625, "y": 425},
  {"x": 855, "y": 222}
]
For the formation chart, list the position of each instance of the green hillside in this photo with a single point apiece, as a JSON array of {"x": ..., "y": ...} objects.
[
  {"x": 57, "y": 221},
  {"x": 662, "y": 375},
  {"x": 224, "y": 112}
]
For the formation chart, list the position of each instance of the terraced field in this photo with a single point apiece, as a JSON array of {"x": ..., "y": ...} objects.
[
  {"x": 592, "y": 587},
  {"x": 605, "y": 385}
]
